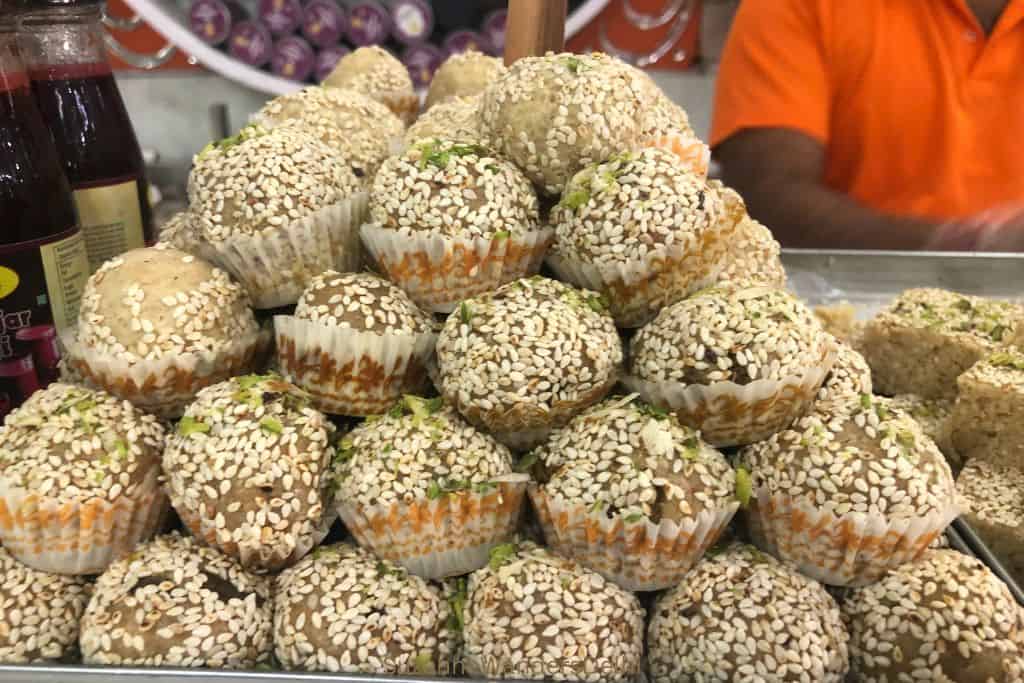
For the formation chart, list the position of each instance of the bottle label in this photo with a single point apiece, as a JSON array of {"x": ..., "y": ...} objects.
[
  {"x": 41, "y": 285},
  {"x": 111, "y": 220}
]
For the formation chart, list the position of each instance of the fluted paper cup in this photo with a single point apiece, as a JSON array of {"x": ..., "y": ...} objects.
[
  {"x": 437, "y": 272},
  {"x": 80, "y": 536},
  {"x": 730, "y": 414},
  {"x": 524, "y": 426},
  {"x": 275, "y": 266},
  {"x": 854, "y": 549},
  {"x": 448, "y": 536},
  {"x": 165, "y": 386},
  {"x": 638, "y": 556},
  {"x": 255, "y": 555},
  {"x": 348, "y": 372}
]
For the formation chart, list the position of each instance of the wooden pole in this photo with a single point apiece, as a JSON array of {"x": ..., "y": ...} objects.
[{"x": 534, "y": 27}]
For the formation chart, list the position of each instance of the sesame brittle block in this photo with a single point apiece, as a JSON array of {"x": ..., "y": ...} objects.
[
  {"x": 928, "y": 337},
  {"x": 988, "y": 418},
  {"x": 995, "y": 496}
]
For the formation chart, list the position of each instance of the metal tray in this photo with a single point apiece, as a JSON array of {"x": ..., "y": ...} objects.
[
  {"x": 870, "y": 279},
  {"x": 866, "y": 279}
]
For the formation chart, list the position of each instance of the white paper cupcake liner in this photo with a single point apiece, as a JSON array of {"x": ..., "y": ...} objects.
[
  {"x": 163, "y": 387},
  {"x": 730, "y": 414},
  {"x": 257, "y": 556},
  {"x": 524, "y": 426},
  {"x": 83, "y": 536},
  {"x": 348, "y": 372},
  {"x": 637, "y": 290},
  {"x": 449, "y": 536},
  {"x": 438, "y": 272},
  {"x": 642, "y": 556},
  {"x": 275, "y": 266},
  {"x": 855, "y": 549}
]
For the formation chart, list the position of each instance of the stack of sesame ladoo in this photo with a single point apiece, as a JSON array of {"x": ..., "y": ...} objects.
[{"x": 435, "y": 446}]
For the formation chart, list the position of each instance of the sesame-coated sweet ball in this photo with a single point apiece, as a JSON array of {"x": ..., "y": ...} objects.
[
  {"x": 248, "y": 471},
  {"x": 660, "y": 494},
  {"x": 357, "y": 343},
  {"x": 554, "y": 115},
  {"x": 422, "y": 487},
  {"x": 161, "y": 302},
  {"x": 729, "y": 335},
  {"x": 737, "y": 362},
  {"x": 176, "y": 603},
  {"x": 849, "y": 492},
  {"x": 362, "y": 302},
  {"x": 276, "y": 209},
  {"x": 753, "y": 255},
  {"x": 462, "y": 75},
  {"x": 450, "y": 220},
  {"x": 455, "y": 119},
  {"x": 376, "y": 72},
  {"x": 527, "y": 357},
  {"x": 742, "y": 615},
  {"x": 359, "y": 129},
  {"x": 263, "y": 180},
  {"x": 535, "y": 616},
  {"x": 660, "y": 115},
  {"x": 157, "y": 324},
  {"x": 179, "y": 232},
  {"x": 454, "y": 189},
  {"x": 850, "y": 375},
  {"x": 946, "y": 617},
  {"x": 39, "y": 613},
  {"x": 640, "y": 228},
  {"x": 368, "y": 616},
  {"x": 79, "y": 479}
]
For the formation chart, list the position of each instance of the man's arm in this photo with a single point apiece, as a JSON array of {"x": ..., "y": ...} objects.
[{"x": 779, "y": 171}]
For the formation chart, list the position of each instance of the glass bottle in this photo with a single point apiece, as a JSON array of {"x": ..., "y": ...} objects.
[
  {"x": 63, "y": 47},
  {"x": 43, "y": 262}
]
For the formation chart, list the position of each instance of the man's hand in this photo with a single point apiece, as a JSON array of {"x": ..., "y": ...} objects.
[
  {"x": 998, "y": 229},
  {"x": 779, "y": 172}
]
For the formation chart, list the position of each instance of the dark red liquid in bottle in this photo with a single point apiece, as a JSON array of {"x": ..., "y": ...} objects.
[
  {"x": 64, "y": 47},
  {"x": 35, "y": 201},
  {"x": 91, "y": 128},
  {"x": 93, "y": 133}
]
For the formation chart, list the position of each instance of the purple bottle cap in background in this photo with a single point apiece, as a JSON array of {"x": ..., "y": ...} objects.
[
  {"x": 368, "y": 23},
  {"x": 413, "y": 21},
  {"x": 493, "y": 30},
  {"x": 282, "y": 17},
  {"x": 327, "y": 59},
  {"x": 464, "y": 40},
  {"x": 211, "y": 20},
  {"x": 422, "y": 61},
  {"x": 324, "y": 22},
  {"x": 293, "y": 58},
  {"x": 250, "y": 42}
]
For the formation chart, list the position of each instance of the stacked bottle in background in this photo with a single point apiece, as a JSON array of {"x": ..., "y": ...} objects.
[
  {"x": 303, "y": 40},
  {"x": 43, "y": 259},
  {"x": 62, "y": 45}
]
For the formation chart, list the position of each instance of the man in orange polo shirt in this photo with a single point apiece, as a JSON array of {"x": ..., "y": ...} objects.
[{"x": 892, "y": 124}]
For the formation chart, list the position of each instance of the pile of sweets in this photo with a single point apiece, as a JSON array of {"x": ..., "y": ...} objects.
[{"x": 337, "y": 420}]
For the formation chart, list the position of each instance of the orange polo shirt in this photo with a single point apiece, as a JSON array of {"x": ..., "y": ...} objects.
[{"x": 920, "y": 112}]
